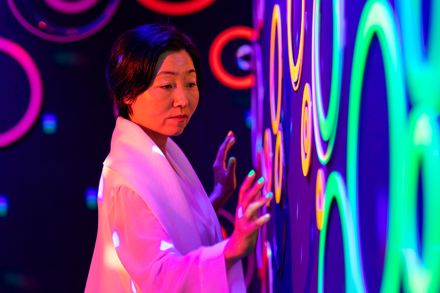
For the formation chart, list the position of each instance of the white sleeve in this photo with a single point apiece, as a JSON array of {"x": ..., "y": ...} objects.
[{"x": 149, "y": 256}]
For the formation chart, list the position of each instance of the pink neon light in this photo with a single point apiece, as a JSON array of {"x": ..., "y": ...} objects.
[
  {"x": 41, "y": 29},
  {"x": 36, "y": 92},
  {"x": 69, "y": 7}
]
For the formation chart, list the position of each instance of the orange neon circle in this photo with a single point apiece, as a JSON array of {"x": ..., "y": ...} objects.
[
  {"x": 215, "y": 60},
  {"x": 275, "y": 27},
  {"x": 306, "y": 130},
  {"x": 320, "y": 189},
  {"x": 279, "y": 166},
  {"x": 267, "y": 161},
  {"x": 176, "y": 8},
  {"x": 295, "y": 67}
]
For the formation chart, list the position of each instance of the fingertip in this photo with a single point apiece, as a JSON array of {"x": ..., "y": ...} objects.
[
  {"x": 251, "y": 173},
  {"x": 230, "y": 133}
]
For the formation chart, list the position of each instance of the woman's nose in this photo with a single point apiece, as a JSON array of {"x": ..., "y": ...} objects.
[{"x": 181, "y": 97}]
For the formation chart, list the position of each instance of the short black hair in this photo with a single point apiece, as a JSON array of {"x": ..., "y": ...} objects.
[{"x": 134, "y": 57}]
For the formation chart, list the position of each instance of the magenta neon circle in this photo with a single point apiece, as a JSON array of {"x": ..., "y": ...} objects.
[
  {"x": 66, "y": 34},
  {"x": 36, "y": 92},
  {"x": 69, "y": 7},
  {"x": 176, "y": 8}
]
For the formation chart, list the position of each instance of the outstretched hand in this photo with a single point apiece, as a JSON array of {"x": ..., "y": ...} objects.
[
  {"x": 225, "y": 180},
  {"x": 247, "y": 220}
]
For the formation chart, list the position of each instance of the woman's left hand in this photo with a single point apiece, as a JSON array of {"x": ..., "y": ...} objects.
[{"x": 225, "y": 180}]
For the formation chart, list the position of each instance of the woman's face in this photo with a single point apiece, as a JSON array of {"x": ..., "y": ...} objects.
[{"x": 166, "y": 107}]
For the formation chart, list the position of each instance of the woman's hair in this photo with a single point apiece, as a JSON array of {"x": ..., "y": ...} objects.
[{"x": 134, "y": 56}]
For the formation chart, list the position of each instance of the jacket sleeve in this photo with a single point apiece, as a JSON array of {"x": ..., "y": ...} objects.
[{"x": 149, "y": 256}]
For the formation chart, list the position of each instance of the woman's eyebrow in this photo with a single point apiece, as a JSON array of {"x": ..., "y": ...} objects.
[{"x": 175, "y": 73}]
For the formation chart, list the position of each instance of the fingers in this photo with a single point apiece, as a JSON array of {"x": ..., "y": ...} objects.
[
  {"x": 252, "y": 208},
  {"x": 252, "y": 192},
  {"x": 247, "y": 183},
  {"x": 224, "y": 149}
]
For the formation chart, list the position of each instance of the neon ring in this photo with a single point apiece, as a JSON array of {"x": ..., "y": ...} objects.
[
  {"x": 68, "y": 7},
  {"x": 335, "y": 192},
  {"x": 215, "y": 61},
  {"x": 295, "y": 67},
  {"x": 36, "y": 92},
  {"x": 306, "y": 130},
  {"x": 319, "y": 202},
  {"x": 176, "y": 8},
  {"x": 423, "y": 71},
  {"x": 66, "y": 34},
  {"x": 279, "y": 166},
  {"x": 423, "y": 155},
  {"x": 378, "y": 20},
  {"x": 267, "y": 161},
  {"x": 325, "y": 127},
  {"x": 257, "y": 99},
  {"x": 275, "y": 27}
]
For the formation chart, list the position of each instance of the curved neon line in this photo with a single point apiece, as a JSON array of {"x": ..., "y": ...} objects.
[
  {"x": 176, "y": 8},
  {"x": 335, "y": 191},
  {"x": 325, "y": 127},
  {"x": 68, "y": 7},
  {"x": 295, "y": 66},
  {"x": 306, "y": 130},
  {"x": 36, "y": 92},
  {"x": 267, "y": 161},
  {"x": 421, "y": 271},
  {"x": 319, "y": 197},
  {"x": 275, "y": 27},
  {"x": 71, "y": 34},
  {"x": 215, "y": 61},
  {"x": 278, "y": 169},
  {"x": 377, "y": 19},
  {"x": 423, "y": 69}
]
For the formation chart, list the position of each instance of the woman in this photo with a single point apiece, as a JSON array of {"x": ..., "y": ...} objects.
[{"x": 157, "y": 228}]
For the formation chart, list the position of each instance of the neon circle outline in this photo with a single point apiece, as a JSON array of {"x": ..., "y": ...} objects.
[
  {"x": 422, "y": 71},
  {"x": 36, "y": 92},
  {"x": 306, "y": 130},
  {"x": 109, "y": 11},
  {"x": 176, "y": 9},
  {"x": 215, "y": 62},
  {"x": 295, "y": 67},
  {"x": 267, "y": 170},
  {"x": 335, "y": 191},
  {"x": 377, "y": 19},
  {"x": 275, "y": 26},
  {"x": 325, "y": 126}
]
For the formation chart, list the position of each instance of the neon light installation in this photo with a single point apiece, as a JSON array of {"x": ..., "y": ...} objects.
[
  {"x": 179, "y": 8},
  {"x": 325, "y": 127},
  {"x": 295, "y": 66},
  {"x": 50, "y": 31},
  {"x": 215, "y": 61},
  {"x": 36, "y": 92}
]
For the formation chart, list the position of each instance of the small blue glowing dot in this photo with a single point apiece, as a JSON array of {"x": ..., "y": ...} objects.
[
  {"x": 90, "y": 197},
  {"x": 50, "y": 123},
  {"x": 3, "y": 205},
  {"x": 248, "y": 119},
  {"x": 115, "y": 238}
]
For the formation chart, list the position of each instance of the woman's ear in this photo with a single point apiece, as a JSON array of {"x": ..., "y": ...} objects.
[{"x": 128, "y": 101}]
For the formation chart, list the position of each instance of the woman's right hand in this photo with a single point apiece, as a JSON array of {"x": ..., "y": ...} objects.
[{"x": 247, "y": 222}]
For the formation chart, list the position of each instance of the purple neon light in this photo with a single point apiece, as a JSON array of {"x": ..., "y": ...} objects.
[
  {"x": 67, "y": 34},
  {"x": 36, "y": 92},
  {"x": 69, "y": 7}
]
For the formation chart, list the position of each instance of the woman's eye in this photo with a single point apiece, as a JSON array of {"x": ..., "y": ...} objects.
[
  {"x": 192, "y": 84},
  {"x": 166, "y": 86}
]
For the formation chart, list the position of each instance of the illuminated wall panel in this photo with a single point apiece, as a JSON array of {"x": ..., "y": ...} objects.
[{"x": 347, "y": 95}]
